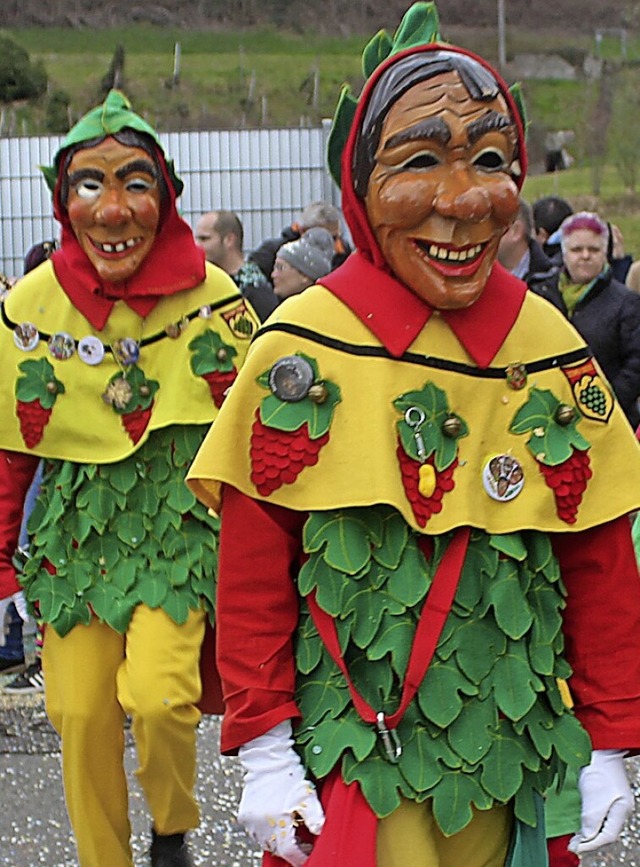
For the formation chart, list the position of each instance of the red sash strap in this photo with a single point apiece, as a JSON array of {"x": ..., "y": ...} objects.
[{"x": 432, "y": 619}]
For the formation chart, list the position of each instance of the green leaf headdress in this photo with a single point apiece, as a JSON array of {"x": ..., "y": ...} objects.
[
  {"x": 419, "y": 26},
  {"x": 113, "y": 115}
]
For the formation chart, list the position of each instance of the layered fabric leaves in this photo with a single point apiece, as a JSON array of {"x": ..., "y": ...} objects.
[
  {"x": 109, "y": 537},
  {"x": 488, "y": 724}
]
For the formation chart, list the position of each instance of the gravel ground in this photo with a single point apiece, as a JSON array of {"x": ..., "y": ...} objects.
[{"x": 34, "y": 829}]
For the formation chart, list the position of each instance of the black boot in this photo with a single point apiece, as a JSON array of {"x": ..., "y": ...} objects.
[{"x": 169, "y": 851}]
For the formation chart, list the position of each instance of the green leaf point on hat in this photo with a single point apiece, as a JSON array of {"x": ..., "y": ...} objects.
[
  {"x": 112, "y": 116},
  {"x": 419, "y": 26}
]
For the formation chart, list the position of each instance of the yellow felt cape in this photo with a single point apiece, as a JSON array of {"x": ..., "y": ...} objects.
[
  {"x": 359, "y": 466},
  {"x": 81, "y": 427}
]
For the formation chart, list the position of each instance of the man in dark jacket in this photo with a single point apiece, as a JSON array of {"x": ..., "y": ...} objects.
[
  {"x": 521, "y": 254},
  {"x": 605, "y": 311}
]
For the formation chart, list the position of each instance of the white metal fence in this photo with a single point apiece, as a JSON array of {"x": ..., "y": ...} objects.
[{"x": 265, "y": 176}]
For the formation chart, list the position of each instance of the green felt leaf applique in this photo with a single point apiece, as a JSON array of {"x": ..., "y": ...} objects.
[
  {"x": 378, "y": 780},
  {"x": 502, "y": 772},
  {"x": 344, "y": 538},
  {"x": 547, "y": 623},
  {"x": 422, "y": 426},
  {"x": 52, "y": 595},
  {"x": 439, "y": 694},
  {"x": 289, "y": 416},
  {"x": 123, "y": 476},
  {"x": 210, "y": 353},
  {"x": 331, "y": 738},
  {"x": 395, "y": 638},
  {"x": 176, "y": 495},
  {"x": 366, "y": 611},
  {"x": 539, "y": 725},
  {"x": 407, "y": 583},
  {"x": 417, "y": 763},
  {"x": 389, "y": 551},
  {"x": 472, "y": 732},
  {"x": 320, "y": 692},
  {"x": 510, "y": 544},
  {"x": 477, "y": 646},
  {"x": 109, "y": 604},
  {"x": 70, "y": 616},
  {"x": 38, "y": 382},
  {"x": 308, "y": 647},
  {"x": 80, "y": 576},
  {"x": 129, "y": 528},
  {"x": 375, "y": 52},
  {"x": 125, "y": 575},
  {"x": 177, "y": 603},
  {"x": 101, "y": 501},
  {"x": 153, "y": 589},
  {"x": 510, "y": 605},
  {"x": 514, "y": 684},
  {"x": 452, "y": 800},
  {"x": 571, "y": 742},
  {"x": 550, "y": 442}
]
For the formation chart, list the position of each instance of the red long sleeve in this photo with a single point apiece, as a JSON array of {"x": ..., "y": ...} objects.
[
  {"x": 602, "y": 631},
  {"x": 16, "y": 472},
  {"x": 256, "y": 615}
]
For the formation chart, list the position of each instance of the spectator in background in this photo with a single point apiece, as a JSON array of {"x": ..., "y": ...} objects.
[
  {"x": 604, "y": 311},
  {"x": 300, "y": 263},
  {"x": 320, "y": 214},
  {"x": 520, "y": 253},
  {"x": 221, "y": 236},
  {"x": 548, "y": 214}
]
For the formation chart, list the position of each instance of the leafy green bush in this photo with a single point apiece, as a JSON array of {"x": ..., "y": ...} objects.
[
  {"x": 56, "y": 116},
  {"x": 19, "y": 77}
]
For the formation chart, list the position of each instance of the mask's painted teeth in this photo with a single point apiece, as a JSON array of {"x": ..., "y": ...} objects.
[
  {"x": 444, "y": 254},
  {"x": 120, "y": 247}
]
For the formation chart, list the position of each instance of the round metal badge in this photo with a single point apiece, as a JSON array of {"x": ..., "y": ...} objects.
[
  {"x": 126, "y": 351},
  {"x": 61, "y": 345},
  {"x": 503, "y": 478},
  {"x": 91, "y": 350},
  {"x": 291, "y": 378},
  {"x": 26, "y": 336}
]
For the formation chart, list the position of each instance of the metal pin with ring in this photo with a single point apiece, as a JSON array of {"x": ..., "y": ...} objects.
[
  {"x": 390, "y": 739},
  {"x": 415, "y": 418}
]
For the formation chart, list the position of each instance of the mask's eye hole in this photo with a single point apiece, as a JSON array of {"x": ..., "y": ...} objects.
[
  {"x": 491, "y": 160},
  {"x": 88, "y": 189},
  {"x": 140, "y": 185},
  {"x": 424, "y": 160}
]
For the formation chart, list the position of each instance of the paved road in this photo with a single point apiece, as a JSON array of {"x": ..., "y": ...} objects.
[{"x": 34, "y": 829}]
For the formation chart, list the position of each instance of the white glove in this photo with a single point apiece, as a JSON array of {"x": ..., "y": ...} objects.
[
  {"x": 607, "y": 801},
  {"x": 21, "y": 607},
  {"x": 276, "y": 798}
]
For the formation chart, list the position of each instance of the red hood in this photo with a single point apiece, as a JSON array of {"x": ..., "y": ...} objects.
[{"x": 175, "y": 263}]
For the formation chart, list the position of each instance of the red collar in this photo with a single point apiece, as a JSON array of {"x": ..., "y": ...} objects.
[{"x": 396, "y": 316}]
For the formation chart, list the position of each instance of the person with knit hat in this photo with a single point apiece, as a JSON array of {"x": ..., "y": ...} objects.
[
  {"x": 438, "y": 481},
  {"x": 118, "y": 352},
  {"x": 302, "y": 262}
]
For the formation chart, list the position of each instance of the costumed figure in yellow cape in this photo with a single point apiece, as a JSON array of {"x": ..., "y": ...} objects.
[
  {"x": 117, "y": 355},
  {"x": 437, "y": 482}
]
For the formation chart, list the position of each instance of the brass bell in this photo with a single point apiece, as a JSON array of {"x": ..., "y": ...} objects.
[
  {"x": 565, "y": 414},
  {"x": 144, "y": 390},
  {"x": 52, "y": 388},
  {"x": 222, "y": 354},
  {"x": 318, "y": 393},
  {"x": 451, "y": 426}
]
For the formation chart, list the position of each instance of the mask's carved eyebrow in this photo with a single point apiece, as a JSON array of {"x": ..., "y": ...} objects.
[
  {"x": 74, "y": 178},
  {"x": 429, "y": 128},
  {"x": 139, "y": 165},
  {"x": 488, "y": 122}
]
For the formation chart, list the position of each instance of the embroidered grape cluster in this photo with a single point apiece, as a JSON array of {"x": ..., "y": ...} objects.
[{"x": 593, "y": 398}]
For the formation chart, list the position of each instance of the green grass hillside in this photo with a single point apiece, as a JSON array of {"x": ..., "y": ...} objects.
[{"x": 275, "y": 78}]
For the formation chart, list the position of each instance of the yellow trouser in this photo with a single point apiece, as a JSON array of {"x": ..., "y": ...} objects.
[
  {"x": 410, "y": 836},
  {"x": 93, "y": 677}
]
